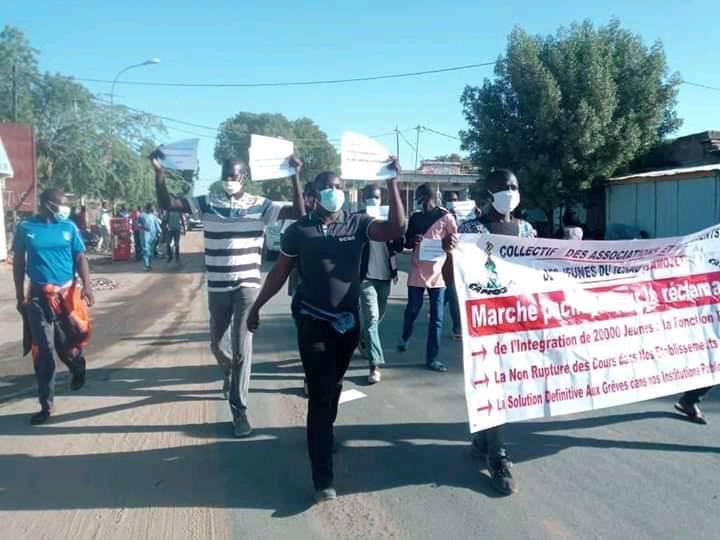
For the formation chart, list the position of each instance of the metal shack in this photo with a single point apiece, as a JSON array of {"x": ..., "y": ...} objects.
[{"x": 663, "y": 203}]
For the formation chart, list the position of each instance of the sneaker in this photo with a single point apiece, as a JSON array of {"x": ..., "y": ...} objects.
[
  {"x": 78, "y": 378},
  {"x": 437, "y": 365},
  {"x": 241, "y": 425},
  {"x": 40, "y": 417},
  {"x": 327, "y": 494},
  {"x": 499, "y": 469},
  {"x": 692, "y": 411},
  {"x": 226, "y": 386},
  {"x": 402, "y": 346},
  {"x": 374, "y": 376}
]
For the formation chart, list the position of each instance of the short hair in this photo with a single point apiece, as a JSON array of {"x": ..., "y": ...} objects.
[
  {"x": 309, "y": 190},
  {"x": 149, "y": 207},
  {"x": 229, "y": 164},
  {"x": 50, "y": 193},
  {"x": 500, "y": 176},
  {"x": 370, "y": 189},
  {"x": 570, "y": 219},
  {"x": 324, "y": 177},
  {"x": 426, "y": 192},
  {"x": 448, "y": 194}
]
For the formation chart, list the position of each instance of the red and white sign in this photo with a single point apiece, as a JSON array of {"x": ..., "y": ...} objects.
[{"x": 554, "y": 327}]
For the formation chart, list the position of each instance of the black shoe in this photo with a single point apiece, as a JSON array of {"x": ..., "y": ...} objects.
[
  {"x": 78, "y": 377},
  {"x": 499, "y": 469},
  {"x": 327, "y": 494},
  {"x": 692, "y": 411},
  {"x": 40, "y": 418}
]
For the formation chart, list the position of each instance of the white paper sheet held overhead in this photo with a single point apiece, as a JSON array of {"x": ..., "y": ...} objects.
[
  {"x": 363, "y": 158},
  {"x": 181, "y": 155},
  {"x": 270, "y": 158},
  {"x": 431, "y": 251}
]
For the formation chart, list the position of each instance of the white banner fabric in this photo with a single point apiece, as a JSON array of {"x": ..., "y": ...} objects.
[{"x": 553, "y": 327}]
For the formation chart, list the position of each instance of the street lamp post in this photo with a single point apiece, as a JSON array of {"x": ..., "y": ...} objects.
[{"x": 115, "y": 80}]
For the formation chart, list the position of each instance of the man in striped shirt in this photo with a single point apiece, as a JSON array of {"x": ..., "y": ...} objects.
[{"x": 234, "y": 227}]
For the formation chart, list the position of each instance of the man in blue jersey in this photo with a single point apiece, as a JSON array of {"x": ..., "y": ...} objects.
[
  {"x": 234, "y": 225},
  {"x": 49, "y": 249}
]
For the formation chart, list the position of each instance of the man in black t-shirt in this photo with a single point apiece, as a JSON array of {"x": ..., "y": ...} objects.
[{"x": 326, "y": 246}]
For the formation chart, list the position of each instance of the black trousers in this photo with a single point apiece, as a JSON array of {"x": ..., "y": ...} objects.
[
  {"x": 173, "y": 243},
  {"x": 692, "y": 397},
  {"x": 325, "y": 356}
]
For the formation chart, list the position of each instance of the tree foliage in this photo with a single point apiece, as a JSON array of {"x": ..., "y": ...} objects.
[
  {"x": 84, "y": 146},
  {"x": 311, "y": 145},
  {"x": 569, "y": 109}
]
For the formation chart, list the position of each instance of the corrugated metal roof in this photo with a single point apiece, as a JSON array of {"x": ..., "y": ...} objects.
[{"x": 668, "y": 172}]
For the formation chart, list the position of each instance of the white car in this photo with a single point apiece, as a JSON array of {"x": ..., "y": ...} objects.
[{"x": 272, "y": 237}]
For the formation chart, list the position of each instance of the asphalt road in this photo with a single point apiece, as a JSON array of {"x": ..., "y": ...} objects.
[{"x": 144, "y": 450}]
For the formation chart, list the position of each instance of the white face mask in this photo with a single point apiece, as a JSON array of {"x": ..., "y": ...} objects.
[
  {"x": 504, "y": 202},
  {"x": 232, "y": 187},
  {"x": 372, "y": 202},
  {"x": 62, "y": 212}
]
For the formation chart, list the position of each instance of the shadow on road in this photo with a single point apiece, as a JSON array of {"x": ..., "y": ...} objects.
[{"x": 269, "y": 470}]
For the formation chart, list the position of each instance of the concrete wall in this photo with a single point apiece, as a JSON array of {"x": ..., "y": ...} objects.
[{"x": 665, "y": 207}]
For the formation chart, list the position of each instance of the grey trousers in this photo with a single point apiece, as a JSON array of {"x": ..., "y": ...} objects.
[
  {"x": 373, "y": 303},
  {"x": 42, "y": 329},
  {"x": 227, "y": 307}
]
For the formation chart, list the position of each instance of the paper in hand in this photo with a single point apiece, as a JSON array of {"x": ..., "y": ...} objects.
[
  {"x": 270, "y": 158},
  {"x": 363, "y": 158},
  {"x": 181, "y": 155}
]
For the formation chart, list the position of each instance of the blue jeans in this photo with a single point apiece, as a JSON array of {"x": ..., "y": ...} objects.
[
  {"x": 373, "y": 303},
  {"x": 452, "y": 299},
  {"x": 415, "y": 302}
]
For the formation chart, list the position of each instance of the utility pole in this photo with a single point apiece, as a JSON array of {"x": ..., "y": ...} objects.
[
  {"x": 397, "y": 142},
  {"x": 14, "y": 91},
  {"x": 417, "y": 145}
]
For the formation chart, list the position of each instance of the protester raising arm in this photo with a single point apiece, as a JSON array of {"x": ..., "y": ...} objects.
[
  {"x": 273, "y": 283},
  {"x": 392, "y": 229},
  {"x": 297, "y": 210},
  {"x": 166, "y": 200}
]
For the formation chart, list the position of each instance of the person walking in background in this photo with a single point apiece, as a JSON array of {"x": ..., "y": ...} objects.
[
  {"x": 572, "y": 227},
  {"x": 504, "y": 191},
  {"x": 430, "y": 222},
  {"x": 103, "y": 226},
  {"x": 137, "y": 232},
  {"x": 451, "y": 298},
  {"x": 234, "y": 223},
  {"x": 150, "y": 231},
  {"x": 174, "y": 225},
  {"x": 378, "y": 269},
  {"x": 48, "y": 247}
]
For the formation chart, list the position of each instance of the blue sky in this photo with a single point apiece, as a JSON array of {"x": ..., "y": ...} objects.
[{"x": 232, "y": 41}]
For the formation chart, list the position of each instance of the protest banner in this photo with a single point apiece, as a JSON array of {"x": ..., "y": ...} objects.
[
  {"x": 181, "y": 155},
  {"x": 363, "y": 158},
  {"x": 553, "y": 327},
  {"x": 270, "y": 158}
]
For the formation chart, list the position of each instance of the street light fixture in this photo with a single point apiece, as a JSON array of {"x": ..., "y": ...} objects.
[{"x": 115, "y": 80}]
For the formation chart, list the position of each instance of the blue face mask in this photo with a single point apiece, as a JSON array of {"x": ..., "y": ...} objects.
[
  {"x": 331, "y": 199},
  {"x": 372, "y": 201}
]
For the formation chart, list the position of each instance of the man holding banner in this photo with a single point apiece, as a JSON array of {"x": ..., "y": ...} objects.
[
  {"x": 327, "y": 246},
  {"x": 504, "y": 191},
  {"x": 234, "y": 229}
]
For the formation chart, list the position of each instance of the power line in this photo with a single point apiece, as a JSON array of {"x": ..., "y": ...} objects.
[
  {"x": 705, "y": 86},
  {"x": 295, "y": 83},
  {"x": 440, "y": 133}
]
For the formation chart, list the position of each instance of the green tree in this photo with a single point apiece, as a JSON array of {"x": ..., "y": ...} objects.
[
  {"x": 18, "y": 65},
  {"x": 311, "y": 145},
  {"x": 567, "y": 110}
]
